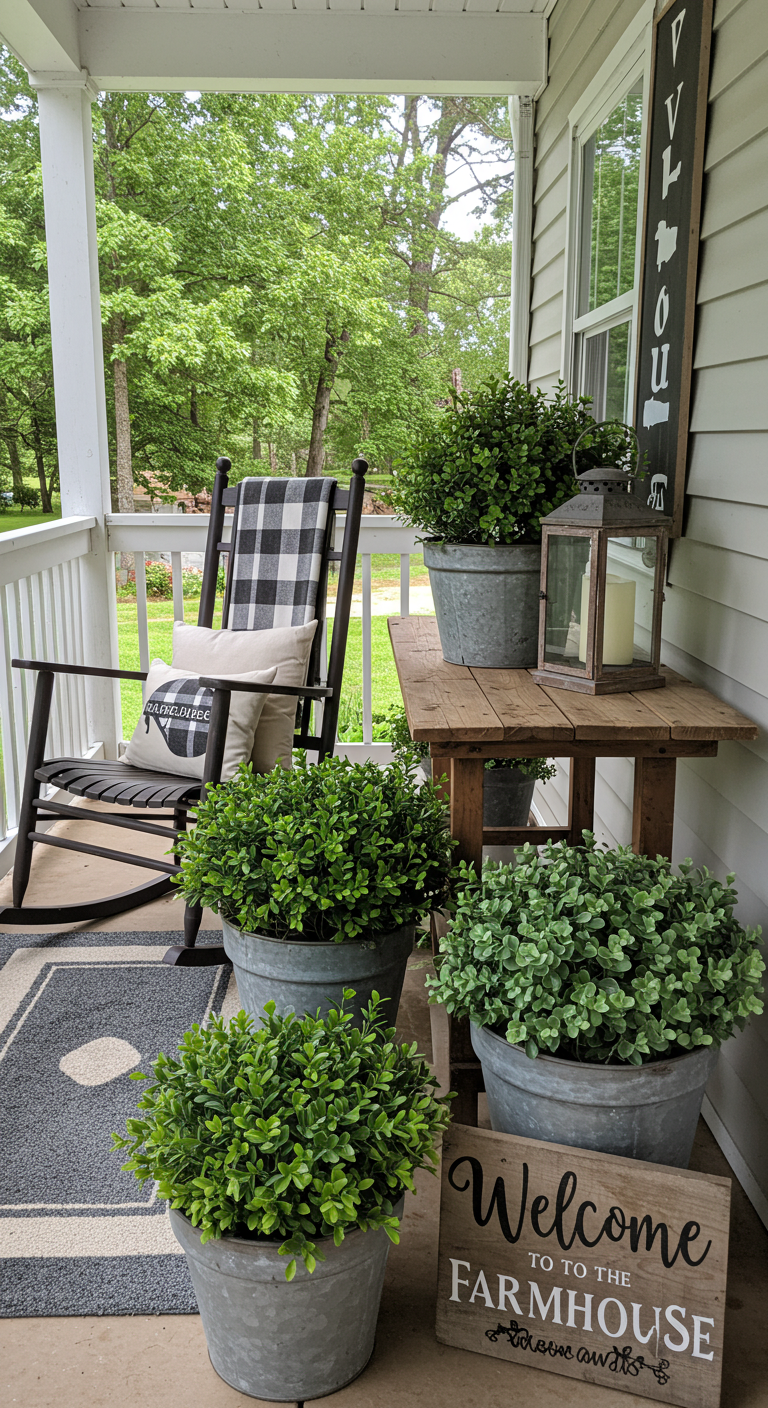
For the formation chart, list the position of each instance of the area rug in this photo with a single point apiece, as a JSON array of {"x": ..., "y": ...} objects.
[{"x": 78, "y": 1013}]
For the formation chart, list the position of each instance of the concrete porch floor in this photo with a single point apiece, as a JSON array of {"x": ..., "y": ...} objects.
[{"x": 161, "y": 1361}]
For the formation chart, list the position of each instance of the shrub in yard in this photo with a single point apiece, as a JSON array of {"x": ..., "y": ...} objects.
[
  {"x": 303, "y": 1129},
  {"x": 328, "y": 852},
  {"x": 26, "y": 497},
  {"x": 600, "y": 955}
]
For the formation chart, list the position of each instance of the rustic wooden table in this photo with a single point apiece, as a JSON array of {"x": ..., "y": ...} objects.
[{"x": 468, "y": 715}]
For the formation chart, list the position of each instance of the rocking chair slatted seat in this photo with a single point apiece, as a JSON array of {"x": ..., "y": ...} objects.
[{"x": 159, "y": 802}]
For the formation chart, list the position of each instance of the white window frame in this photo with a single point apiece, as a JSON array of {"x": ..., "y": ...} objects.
[{"x": 629, "y": 61}]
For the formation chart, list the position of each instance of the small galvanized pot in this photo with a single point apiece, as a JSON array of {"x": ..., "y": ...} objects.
[
  {"x": 302, "y": 977},
  {"x": 641, "y": 1112},
  {"x": 507, "y": 797},
  {"x": 486, "y": 602},
  {"x": 279, "y": 1340}
]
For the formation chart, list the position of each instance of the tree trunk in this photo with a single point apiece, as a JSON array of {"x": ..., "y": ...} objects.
[
  {"x": 331, "y": 359},
  {"x": 272, "y": 457},
  {"x": 12, "y": 444},
  {"x": 45, "y": 498},
  {"x": 122, "y": 427},
  {"x": 193, "y": 408},
  {"x": 256, "y": 451}
]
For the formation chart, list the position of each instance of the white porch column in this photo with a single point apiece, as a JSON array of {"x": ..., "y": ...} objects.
[
  {"x": 78, "y": 369},
  {"x": 521, "y": 113}
]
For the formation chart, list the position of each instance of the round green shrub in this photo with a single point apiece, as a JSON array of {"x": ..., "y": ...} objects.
[
  {"x": 486, "y": 469},
  {"x": 303, "y": 1129},
  {"x": 329, "y": 851},
  {"x": 600, "y": 955}
]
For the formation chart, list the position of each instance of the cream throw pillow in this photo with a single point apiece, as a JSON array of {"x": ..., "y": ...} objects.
[
  {"x": 172, "y": 733},
  {"x": 286, "y": 648}
]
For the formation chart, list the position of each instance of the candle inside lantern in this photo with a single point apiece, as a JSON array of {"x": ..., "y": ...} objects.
[{"x": 619, "y": 621}]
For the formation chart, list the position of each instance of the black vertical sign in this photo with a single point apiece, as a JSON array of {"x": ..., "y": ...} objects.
[{"x": 678, "y": 111}]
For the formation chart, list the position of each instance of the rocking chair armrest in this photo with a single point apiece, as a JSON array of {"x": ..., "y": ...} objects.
[
  {"x": 53, "y": 667},
  {"x": 298, "y": 691}
]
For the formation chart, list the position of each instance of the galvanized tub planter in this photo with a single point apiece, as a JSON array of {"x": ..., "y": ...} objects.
[
  {"x": 641, "y": 1112},
  {"x": 507, "y": 797},
  {"x": 301, "y": 977},
  {"x": 486, "y": 602},
  {"x": 286, "y": 1340}
]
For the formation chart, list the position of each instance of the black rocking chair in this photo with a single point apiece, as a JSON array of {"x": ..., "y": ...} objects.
[{"x": 123, "y": 785}]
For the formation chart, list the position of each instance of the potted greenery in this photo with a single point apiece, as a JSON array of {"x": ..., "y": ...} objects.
[
  {"x": 599, "y": 985},
  {"x": 285, "y": 1152},
  {"x": 477, "y": 479},
  {"x": 320, "y": 875},
  {"x": 508, "y": 783}
]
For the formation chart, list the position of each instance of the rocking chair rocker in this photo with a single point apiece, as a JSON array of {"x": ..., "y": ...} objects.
[{"x": 123, "y": 785}]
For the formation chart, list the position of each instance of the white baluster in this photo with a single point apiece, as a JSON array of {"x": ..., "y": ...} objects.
[
  {"x": 141, "y": 611},
  {"x": 11, "y": 773},
  {"x": 405, "y": 583},
  {"x": 367, "y": 665},
  {"x": 178, "y": 588}
]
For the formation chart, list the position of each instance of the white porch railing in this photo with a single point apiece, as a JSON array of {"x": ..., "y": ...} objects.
[
  {"x": 147, "y": 535},
  {"x": 41, "y": 618}
]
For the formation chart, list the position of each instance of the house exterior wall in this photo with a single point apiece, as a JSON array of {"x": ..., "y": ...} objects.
[{"x": 716, "y": 612}]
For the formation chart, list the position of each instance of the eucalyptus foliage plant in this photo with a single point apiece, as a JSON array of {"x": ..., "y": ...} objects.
[
  {"x": 303, "y": 1129},
  {"x": 486, "y": 469},
  {"x": 329, "y": 852},
  {"x": 600, "y": 955}
]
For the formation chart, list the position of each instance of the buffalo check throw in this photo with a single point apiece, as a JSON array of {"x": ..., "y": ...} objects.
[{"x": 277, "y": 554}]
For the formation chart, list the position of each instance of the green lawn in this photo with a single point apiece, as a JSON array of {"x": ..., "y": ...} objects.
[{"x": 13, "y": 519}]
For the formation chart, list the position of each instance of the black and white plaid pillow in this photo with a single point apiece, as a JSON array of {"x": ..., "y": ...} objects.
[{"x": 277, "y": 554}]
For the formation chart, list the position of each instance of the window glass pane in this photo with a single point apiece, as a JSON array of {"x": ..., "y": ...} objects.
[
  {"x": 610, "y": 171},
  {"x": 605, "y": 372}
]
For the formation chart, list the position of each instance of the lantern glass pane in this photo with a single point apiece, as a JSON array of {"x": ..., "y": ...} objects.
[
  {"x": 628, "y": 607},
  {"x": 565, "y": 630}
]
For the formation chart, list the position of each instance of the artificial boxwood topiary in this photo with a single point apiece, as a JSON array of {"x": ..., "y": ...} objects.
[
  {"x": 302, "y": 1129},
  {"x": 596, "y": 955},
  {"x": 488, "y": 467},
  {"x": 329, "y": 852}
]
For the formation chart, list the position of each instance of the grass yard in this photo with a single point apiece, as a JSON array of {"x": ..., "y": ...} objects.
[{"x": 14, "y": 519}]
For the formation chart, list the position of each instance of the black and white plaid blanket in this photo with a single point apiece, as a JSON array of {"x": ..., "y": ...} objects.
[{"x": 277, "y": 555}]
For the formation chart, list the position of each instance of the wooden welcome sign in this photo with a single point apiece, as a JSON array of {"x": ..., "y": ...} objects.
[{"x": 601, "y": 1268}]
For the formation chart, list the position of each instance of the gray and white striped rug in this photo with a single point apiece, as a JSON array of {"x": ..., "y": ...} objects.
[{"x": 78, "y": 1013}]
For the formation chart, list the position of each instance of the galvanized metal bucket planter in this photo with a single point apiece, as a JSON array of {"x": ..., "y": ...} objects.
[
  {"x": 279, "y": 1340},
  {"x": 507, "y": 797},
  {"x": 302, "y": 977},
  {"x": 641, "y": 1112},
  {"x": 486, "y": 602}
]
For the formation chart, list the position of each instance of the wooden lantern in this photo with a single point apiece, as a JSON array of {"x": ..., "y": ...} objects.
[{"x": 591, "y": 638}]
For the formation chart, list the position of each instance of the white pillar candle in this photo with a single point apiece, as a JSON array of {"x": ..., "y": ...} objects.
[{"x": 619, "y": 621}]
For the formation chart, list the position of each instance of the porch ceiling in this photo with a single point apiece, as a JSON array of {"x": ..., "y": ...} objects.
[{"x": 457, "y": 46}]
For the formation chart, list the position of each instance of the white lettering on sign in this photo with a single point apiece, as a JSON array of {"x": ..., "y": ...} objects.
[
  {"x": 481, "y": 1289},
  {"x": 662, "y": 312},
  {"x": 654, "y": 412},
  {"x": 698, "y": 1336},
  {"x": 637, "y": 1332},
  {"x": 457, "y": 1280},
  {"x": 666, "y": 242},
  {"x": 508, "y": 1293},
  {"x": 676, "y": 28},
  {"x": 574, "y": 1309},
  {"x": 656, "y": 500},
  {"x": 659, "y": 378},
  {"x": 554, "y": 1299},
  {"x": 676, "y": 1324},
  {"x": 672, "y": 117},
  {"x": 667, "y": 175}
]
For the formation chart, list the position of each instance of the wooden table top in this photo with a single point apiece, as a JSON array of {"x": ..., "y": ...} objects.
[{"x": 455, "y": 703}]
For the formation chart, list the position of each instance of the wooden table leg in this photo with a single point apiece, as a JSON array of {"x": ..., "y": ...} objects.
[
  {"x": 653, "y": 806},
  {"x": 467, "y": 810},
  {"x": 581, "y": 798},
  {"x": 467, "y": 828}
]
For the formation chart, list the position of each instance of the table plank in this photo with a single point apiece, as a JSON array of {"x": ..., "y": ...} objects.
[
  {"x": 602, "y": 717},
  {"x": 692, "y": 712},
  {"x": 442, "y": 702},
  {"x": 525, "y": 711}
]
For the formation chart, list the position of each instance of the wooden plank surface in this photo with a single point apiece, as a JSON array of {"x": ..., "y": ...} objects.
[
  {"x": 692, "y": 712},
  {"x": 602, "y": 717},
  {"x": 442, "y": 701},
  {"x": 522, "y": 706}
]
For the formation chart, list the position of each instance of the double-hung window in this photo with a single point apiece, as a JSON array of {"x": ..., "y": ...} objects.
[{"x": 607, "y": 172}]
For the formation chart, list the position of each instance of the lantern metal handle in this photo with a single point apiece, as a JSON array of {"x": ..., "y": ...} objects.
[{"x": 590, "y": 429}]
